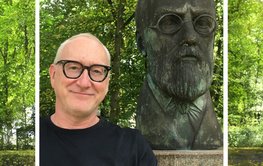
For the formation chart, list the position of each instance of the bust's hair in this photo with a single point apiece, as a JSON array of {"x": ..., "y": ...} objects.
[
  {"x": 141, "y": 15},
  {"x": 87, "y": 35}
]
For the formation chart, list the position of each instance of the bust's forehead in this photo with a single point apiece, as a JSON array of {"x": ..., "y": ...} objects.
[
  {"x": 184, "y": 9},
  {"x": 181, "y": 3},
  {"x": 181, "y": 6}
]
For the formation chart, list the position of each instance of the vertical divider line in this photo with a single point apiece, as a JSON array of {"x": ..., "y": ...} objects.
[
  {"x": 225, "y": 81},
  {"x": 37, "y": 43}
]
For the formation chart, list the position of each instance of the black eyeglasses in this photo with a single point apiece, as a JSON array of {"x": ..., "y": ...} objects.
[
  {"x": 171, "y": 23},
  {"x": 74, "y": 69}
]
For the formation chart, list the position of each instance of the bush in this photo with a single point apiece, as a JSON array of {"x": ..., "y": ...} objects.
[
  {"x": 17, "y": 158},
  {"x": 245, "y": 136}
]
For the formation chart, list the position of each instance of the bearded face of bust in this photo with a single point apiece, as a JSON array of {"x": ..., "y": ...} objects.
[{"x": 178, "y": 37}]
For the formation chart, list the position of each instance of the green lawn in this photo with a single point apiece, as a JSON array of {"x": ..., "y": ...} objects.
[
  {"x": 246, "y": 156},
  {"x": 17, "y": 157}
]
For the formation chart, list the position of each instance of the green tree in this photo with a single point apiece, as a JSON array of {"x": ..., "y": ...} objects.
[
  {"x": 245, "y": 104},
  {"x": 16, "y": 66},
  {"x": 113, "y": 23},
  {"x": 245, "y": 61}
]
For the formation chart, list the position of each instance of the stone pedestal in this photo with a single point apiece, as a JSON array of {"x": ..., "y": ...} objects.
[{"x": 189, "y": 157}]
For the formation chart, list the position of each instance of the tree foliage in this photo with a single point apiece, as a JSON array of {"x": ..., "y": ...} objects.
[
  {"x": 113, "y": 23},
  {"x": 17, "y": 72},
  {"x": 245, "y": 62}
]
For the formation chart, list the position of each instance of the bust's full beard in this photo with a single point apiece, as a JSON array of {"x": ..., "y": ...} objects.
[
  {"x": 185, "y": 72},
  {"x": 185, "y": 75},
  {"x": 189, "y": 80}
]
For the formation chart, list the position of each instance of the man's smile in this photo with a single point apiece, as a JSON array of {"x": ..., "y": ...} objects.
[{"x": 82, "y": 93}]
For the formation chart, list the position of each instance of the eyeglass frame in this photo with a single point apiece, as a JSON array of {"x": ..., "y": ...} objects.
[
  {"x": 64, "y": 62},
  {"x": 157, "y": 26}
]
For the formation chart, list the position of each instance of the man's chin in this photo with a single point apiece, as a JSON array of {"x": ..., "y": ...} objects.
[
  {"x": 81, "y": 110},
  {"x": 82, "y": 114}
]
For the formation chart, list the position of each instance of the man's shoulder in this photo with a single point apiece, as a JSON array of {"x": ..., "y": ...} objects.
[
  {"x": 133, "y": 139},
  {"x": 127, "y": 132},
  {"x": 45, "y": 125},
  {"x": 44, "y": 121}
]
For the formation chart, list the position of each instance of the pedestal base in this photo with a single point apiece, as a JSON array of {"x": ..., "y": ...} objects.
[{"x": 189, "y": 157}]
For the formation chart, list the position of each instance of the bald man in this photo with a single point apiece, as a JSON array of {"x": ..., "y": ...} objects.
[{"x": 74, "y": 134}]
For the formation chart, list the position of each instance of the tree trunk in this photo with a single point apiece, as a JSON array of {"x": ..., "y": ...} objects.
[{"x": 118, "y": 40}]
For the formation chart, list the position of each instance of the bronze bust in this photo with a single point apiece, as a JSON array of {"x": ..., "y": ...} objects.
[{"x": 174, "y": 108}]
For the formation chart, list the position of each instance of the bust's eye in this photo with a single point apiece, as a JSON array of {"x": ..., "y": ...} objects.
[
  {"x": 169, "y": 23},
  {"x": 204, "y": 24}
]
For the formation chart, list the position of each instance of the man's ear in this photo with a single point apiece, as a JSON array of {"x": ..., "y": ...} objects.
[
  {"x": 52, "y": 74},
  {"x": 140, "y": 43}
]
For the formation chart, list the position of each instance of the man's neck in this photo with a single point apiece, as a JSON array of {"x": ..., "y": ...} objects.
[{"x": 70, "y": 122}]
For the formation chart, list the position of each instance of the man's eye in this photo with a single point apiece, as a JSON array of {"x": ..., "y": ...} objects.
[
  {"x": 74, "y": 68},
  {"x": 97, "y": 71}
]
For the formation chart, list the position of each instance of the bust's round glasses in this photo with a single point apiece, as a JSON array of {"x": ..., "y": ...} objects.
[
  {"x": 74, "y": 69},
  {"x": 171, "y": 23}
]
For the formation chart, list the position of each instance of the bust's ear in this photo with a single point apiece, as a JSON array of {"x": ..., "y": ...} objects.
[{"x": 140, "y": 43}]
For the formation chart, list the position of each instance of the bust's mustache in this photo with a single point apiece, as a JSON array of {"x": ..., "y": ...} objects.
[{"x": 185, "y": 53}]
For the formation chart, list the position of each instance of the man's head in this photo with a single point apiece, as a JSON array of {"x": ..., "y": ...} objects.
[
  {"x": 178, "y": 37},
  {"x": 79, "y": 75}
]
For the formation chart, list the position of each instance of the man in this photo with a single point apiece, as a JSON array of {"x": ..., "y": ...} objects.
[
  {"x": 74, "y": 134},
  {"x": 174, "y": 108}
]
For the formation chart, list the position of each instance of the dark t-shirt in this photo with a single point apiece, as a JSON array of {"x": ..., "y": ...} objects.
[{"x": 103, "y": 144}]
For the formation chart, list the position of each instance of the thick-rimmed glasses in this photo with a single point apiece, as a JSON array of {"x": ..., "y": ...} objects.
[
  {"x": 74, "y": 69},
  {"x": 171, "y": 23}
]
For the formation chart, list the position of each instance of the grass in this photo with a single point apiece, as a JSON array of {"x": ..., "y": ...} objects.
[
  {"x": 245, "y": 156},
  {"x": 21, "y": 152},
  {"x": 17, "y": 157}
]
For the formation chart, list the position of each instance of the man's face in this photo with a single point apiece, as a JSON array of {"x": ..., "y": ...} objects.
[
  {"x": 82, "y": 96},
  {"x": 180, "y": 61}
]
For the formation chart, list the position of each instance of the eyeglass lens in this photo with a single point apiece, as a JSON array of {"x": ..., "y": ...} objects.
[{"x": 171, "y": 23}]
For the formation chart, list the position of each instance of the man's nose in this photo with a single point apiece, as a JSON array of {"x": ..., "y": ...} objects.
[{"x": 84, "y": 80}]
